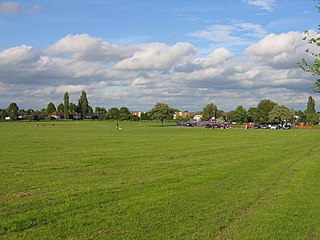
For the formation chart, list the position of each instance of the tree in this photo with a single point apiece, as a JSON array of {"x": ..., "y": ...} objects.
[
  {"x": 113, "y": 113},
  {"x": 3, "y": 114},
  {"x": 280, "y": 114},
  {"x": 209, "y": 112},
  {"x": 66, "y": 105},
  {"x": 264, "y": 108},
  {"x": 100, "y": 112},
  {"x": 239, "y": 115},
  {"x": 83, "y": 104},
  {"x": 60, "y": 107},
  {"x": 50, "y": 109},
  {"x": 310, "y": 112},
  {"x": 160, "y": 112},
  {"x": 73, "y": 107},
  {"x": 12, "y": 111},
  {"x": 124, "y": 113},
  {"x": 314, "y": 66},
  {"x": 253, "y": 114}
]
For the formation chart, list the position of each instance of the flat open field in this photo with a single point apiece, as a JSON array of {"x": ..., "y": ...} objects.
[{"x": 87, "y": 180}]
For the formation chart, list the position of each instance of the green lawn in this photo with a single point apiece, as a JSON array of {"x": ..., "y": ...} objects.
[{"x": 87, "y": 180}]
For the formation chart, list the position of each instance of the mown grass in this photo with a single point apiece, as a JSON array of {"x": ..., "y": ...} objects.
[{"x": 87, "y": 180}]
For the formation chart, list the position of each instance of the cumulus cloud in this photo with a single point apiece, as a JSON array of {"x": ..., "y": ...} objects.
[
  {"x": 9, "y": 7},
  {"x": 158, "y": 56},
  {"x": 280, "y": 51},
  {"x": 85, "y": 47},
  {"x": 149, "y": 73}
]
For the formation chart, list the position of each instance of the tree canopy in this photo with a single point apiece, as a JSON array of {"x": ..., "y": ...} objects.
[
  {"x": 161, "y": 111},
  {"x": 313, "y": 66},
  {"x": 280, "y": 114},
  {"x": 209, "y": 111}
]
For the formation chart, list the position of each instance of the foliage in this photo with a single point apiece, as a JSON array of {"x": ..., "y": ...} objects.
[
  {"x": 209, "y": 112},
  {"x": 51, "y": 108},
  {"x": 314, "y": 66},
  {"x": 73, "y": 107},
  {"x": 60, "y": 107},
  {"x": 113, "y": 113},
  {"x": 66, "y": 105},
  {"x": 264, "y": 108},
  {"x": 280, "y": 114},
  {"x": 253, "y": 114},
  {"x": 83, "y": 104},
  {"x": 161, "y": 111},
  {"x": 13, "y": 107},
  {"x": 239, "y": 115},
  {"x": 310, "y": 113},
  {"x": 124, "y": 113}
]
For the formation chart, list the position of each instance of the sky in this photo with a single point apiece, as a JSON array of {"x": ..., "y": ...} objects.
[{"x": 135, "y": 53}]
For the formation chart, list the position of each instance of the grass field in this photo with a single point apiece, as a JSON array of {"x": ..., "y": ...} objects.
[{"x": 87, "y": 180}]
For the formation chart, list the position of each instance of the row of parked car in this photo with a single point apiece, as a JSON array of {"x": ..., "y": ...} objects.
[{"x": 272, "y": 126}]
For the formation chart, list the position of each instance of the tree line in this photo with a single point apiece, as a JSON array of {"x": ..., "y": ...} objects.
[{"x": 266, "y": 111}]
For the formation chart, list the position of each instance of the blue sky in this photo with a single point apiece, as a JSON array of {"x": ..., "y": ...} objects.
[{"x": 136, "y": 53}]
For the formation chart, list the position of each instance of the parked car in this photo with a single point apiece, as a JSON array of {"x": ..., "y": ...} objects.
[
  {"x": 274, "y": 126},
  {"x": 286, "y": 126},
  {"x": 264, "y": 126},
  {"x": 256, "y": 126}
]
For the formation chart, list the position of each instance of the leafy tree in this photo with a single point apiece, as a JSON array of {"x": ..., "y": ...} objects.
[
  {"x": 280, "y": 113},
  {"x": 124, "y": 113},
  {"x": 209, "y": 111},
  {"x": 302, "y": 116},
  {"x": 72, "y": 107},
  {"x": 239, "y": 115},
  {"x": 253, "y": 114},
  {"x": 313, "y": 67},
  {"x": 264, "y": 108},
  {"x": 30, "y": 115},
  {"x": 83, "y": 104},
  {"x": 12, "y": 111},
  {"x": 13, "y": 107},
  {"x": 3, "y": 114},
  {"x": 43, "y": 114},
  {"x": 161, "y": 111},
  {"x": 60, "y": 107},
  {"x": 101, "y": 112},
  {"x": 310, "y": 112},
  {"x": 51, "y": 108},
  {"x": 113, "y": 113},
  {"x": 66, "y": 105}
]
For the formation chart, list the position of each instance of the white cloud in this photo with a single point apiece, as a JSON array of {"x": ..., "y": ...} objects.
[
  {"x": 153, "y": 72},
  {"x": 281, "y": 51},
  {"x": 9, "y": 7},
  {"x": 267, "y": 5},
  {"x": 158, "y": 56},
  {"x": 235, "y": 33},
  {"x": 85, "y": 47}
]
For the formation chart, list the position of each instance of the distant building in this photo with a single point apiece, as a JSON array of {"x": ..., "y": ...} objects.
[{"x": 136, "y": 113}]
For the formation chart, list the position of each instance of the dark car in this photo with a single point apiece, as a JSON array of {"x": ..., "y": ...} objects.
[
  {"x": 256, "y": 126},
  {"x": 286, "y": 126},
  {"x": 189, "y": 125}
]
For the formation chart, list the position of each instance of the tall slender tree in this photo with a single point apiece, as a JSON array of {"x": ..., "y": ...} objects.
[
  {"x": 83, "y": 104},
  {"x": 66, "y": 105},
  {"x": 310, "y": 112}
]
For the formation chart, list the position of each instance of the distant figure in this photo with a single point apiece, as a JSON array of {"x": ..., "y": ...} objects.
[{"x": 117, "y": 126}]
